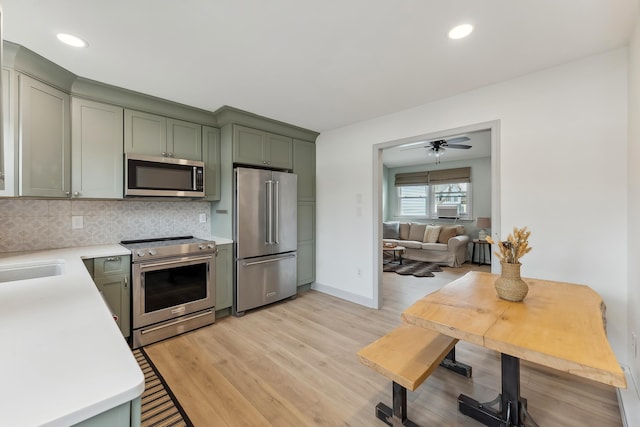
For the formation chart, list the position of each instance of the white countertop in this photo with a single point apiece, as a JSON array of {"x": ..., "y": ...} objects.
[
  {"x": 62, "y": 359},
  {"x": 221, "y": 240}
]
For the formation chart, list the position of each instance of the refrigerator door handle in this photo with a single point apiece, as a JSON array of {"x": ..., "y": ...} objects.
[
  {"x": 247, "y": 264},
  {"x": 276, "y": 208},
  {"x": 269, "y": 239}
]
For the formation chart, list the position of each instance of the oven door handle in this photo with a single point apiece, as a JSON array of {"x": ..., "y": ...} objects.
[{"x": 178, "y": 261}]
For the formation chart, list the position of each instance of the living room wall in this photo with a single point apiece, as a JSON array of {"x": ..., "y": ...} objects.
[
  {"x": 552, "y": 177},
  {"x": 480, "y": 192}
]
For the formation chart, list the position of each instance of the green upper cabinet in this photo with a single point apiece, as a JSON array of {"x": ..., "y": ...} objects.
[
  {"x": 259, "y": 148},
  {"x": 155, "y": 135},
  {"x": 211, "y": 157},
  {"x": 304, "y": 165},
  {"x": 184, "y": 140},
  {"x": 96, "y": 149},
  {"x": 45, "y": 138}
]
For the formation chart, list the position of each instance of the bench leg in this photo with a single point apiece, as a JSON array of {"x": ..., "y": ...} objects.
[
  {"x": 398, "y": 416},
  {"x": 450, "y": 363}
]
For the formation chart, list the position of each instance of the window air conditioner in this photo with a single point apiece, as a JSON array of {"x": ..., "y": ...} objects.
[{"x": 448, "y": 211}]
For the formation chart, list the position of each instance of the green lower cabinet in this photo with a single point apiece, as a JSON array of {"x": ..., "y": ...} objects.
[
  {"x": 224, "y": 277},
  {"x": 306, "y": 266},
  {"x": 111, "y": 276},
  {"x": 306, "y": 243},
  {"x": 125, "y": 415}
]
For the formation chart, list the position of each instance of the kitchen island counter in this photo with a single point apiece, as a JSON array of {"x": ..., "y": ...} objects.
[{"x": 64, "y": 359}]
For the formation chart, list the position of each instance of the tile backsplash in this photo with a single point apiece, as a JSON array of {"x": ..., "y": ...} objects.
[{"x": 31, "y": 224}]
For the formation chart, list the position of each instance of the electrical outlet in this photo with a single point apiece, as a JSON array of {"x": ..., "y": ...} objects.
[
  {"x": 203, "y": 218},
  {"x": 77, "y": 222}
]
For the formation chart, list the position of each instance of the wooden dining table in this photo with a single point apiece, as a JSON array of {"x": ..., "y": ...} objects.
[{"x": 558, "y": 325}]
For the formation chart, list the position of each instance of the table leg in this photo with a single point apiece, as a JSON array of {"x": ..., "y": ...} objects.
[
  {"x": 452, "y": 364},
  {"x": 512, "y": 406},
  {"x": 473, "y": 252}
]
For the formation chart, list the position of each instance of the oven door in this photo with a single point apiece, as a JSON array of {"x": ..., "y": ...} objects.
[{"x": 170, "y": 288}]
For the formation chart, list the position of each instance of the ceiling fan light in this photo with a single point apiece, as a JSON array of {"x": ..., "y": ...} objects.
[{"x": 460, "y": 31}]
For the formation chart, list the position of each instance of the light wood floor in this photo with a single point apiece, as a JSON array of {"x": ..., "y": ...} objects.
[{"x": 294, "y": 364}]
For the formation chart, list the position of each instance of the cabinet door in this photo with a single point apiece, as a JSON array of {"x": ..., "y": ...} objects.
[
  {"x": 304, "y": 165},
  {"x": 145, "y": 133},
  {"x": 279, "y": 151},
  {"x": 184, "y": 140},
  {"x": 111, "y": 266},
  {"x": 211, "y": 157},
  {"x": 224, "y": 277},
  {"x": 44, "y": 140},
  {"x": 248, "y": 146},
  {"x": 96, "y": 150},
  {"x": 306, "y": 243},
  {"x": 115, "y": 290}
]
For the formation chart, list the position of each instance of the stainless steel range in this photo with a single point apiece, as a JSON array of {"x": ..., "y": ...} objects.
[{"x": 173, "y": 286}]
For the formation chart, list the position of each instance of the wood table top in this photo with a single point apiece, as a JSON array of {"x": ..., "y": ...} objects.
[{"x": 559, "y": 325}]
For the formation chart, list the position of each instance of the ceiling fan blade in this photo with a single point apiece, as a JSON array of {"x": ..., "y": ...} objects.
[
  {"x": 466, "y": 147},
  {"x": 457, "y": 139},
  {"x": 414, "y": 147}
]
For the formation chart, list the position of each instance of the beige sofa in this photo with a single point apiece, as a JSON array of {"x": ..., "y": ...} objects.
[{"x": 442, "y": 244}]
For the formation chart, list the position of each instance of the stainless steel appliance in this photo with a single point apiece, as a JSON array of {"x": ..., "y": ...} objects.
[
  {"x": 173, "y": 286},
  {"x": 265, "y": 229},
  {"x": 163, "y": 176}
]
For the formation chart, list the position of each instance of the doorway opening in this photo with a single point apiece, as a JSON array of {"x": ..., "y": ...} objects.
[{"x": 474, "y": 146}]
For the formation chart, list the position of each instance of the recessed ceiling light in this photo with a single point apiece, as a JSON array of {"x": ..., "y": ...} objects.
[
  {"x": 461, "y": 31},
  {"x": 72, "y": 40}
]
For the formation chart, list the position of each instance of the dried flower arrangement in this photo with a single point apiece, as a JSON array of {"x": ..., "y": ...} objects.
[{"x": 515, "y": 247}]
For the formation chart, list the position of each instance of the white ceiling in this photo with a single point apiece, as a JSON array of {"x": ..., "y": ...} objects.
[{"x": 316, "y": 64}]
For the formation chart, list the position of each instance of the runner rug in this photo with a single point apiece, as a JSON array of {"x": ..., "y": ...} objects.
[
  {"x": 160, "y": 408},
  {"x": 410, "y": 267}
]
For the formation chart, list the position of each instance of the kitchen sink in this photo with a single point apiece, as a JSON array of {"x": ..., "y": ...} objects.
[{"x": 11, "y": 273}]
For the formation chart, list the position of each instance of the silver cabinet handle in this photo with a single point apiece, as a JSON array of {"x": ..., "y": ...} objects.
[
  {"x": 164, "y": 154},
  {"x": 67, "y": 193},
  {"x": 126, "y": 282},
  {"x": 113, "y": 258},
  {"x": 76, "y": 193}
]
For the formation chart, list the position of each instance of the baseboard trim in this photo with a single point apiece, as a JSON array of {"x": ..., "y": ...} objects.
[
  {"x": 347, "y": 296},
  {"x": 629, "y": 401}
]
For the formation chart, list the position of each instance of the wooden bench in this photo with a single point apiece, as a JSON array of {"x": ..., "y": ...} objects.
[{"x": 407, "y": 356}]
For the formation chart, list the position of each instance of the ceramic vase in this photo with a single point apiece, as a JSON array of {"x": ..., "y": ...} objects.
[{"x": 510, "y": 285}]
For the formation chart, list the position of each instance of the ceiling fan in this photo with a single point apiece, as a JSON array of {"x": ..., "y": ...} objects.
[{"x": 437, "y": 147}]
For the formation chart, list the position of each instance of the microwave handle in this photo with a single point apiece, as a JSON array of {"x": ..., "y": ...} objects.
[{"x": 194, "y": 174}]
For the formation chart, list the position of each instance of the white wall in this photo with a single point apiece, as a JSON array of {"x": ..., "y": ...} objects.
[
  {"x": 563, "y": 172},
  {"x": 634, "y": 195}
]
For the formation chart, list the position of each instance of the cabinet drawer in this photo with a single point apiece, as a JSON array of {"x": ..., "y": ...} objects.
[{"x": 109, "y": 266}]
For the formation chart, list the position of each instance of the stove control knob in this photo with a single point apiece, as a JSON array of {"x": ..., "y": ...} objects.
[
  {"x": 211, "y": 246},
  {"x": 152, "y": 252},
  {"x": 202, "y": 247},
  {"x": 140, "y": 253}
]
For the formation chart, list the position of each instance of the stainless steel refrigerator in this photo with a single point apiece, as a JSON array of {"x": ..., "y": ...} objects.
[{"x": 266, "y": 238}]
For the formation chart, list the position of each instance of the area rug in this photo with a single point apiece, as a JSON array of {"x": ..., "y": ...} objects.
[
  {"x": 160, "y": 408},
  {"x": 410, "y": 267}
]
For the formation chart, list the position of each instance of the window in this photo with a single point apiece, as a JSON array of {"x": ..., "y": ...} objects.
[
  {"x": 451, "y": 194},
  {"x": 420, "y": 193},
  {"x": 413, "y": 200},
  {"x": 422, "y": 200}
]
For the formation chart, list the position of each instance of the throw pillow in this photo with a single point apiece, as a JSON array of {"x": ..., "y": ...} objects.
[
  {"x": 416, "y": 231},
  {"x": 390, "y": 230},
  {"x": 431, "y": 233},
  {"x": 404, "y": 231},
  {"x": 447, "y": 233}
]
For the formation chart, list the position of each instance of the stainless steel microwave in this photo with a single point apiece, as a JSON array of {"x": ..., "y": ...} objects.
[{"x": 162, "y": 176}]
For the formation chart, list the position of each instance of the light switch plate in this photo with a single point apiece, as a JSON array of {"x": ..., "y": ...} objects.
[{"x": 203, "y": 217}]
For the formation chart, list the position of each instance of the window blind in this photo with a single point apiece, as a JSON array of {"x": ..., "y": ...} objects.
[
  {"x": 450, "y": 176},
  {"x": 445, "y": 176},
  {"x": 412, "y": 178}
]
